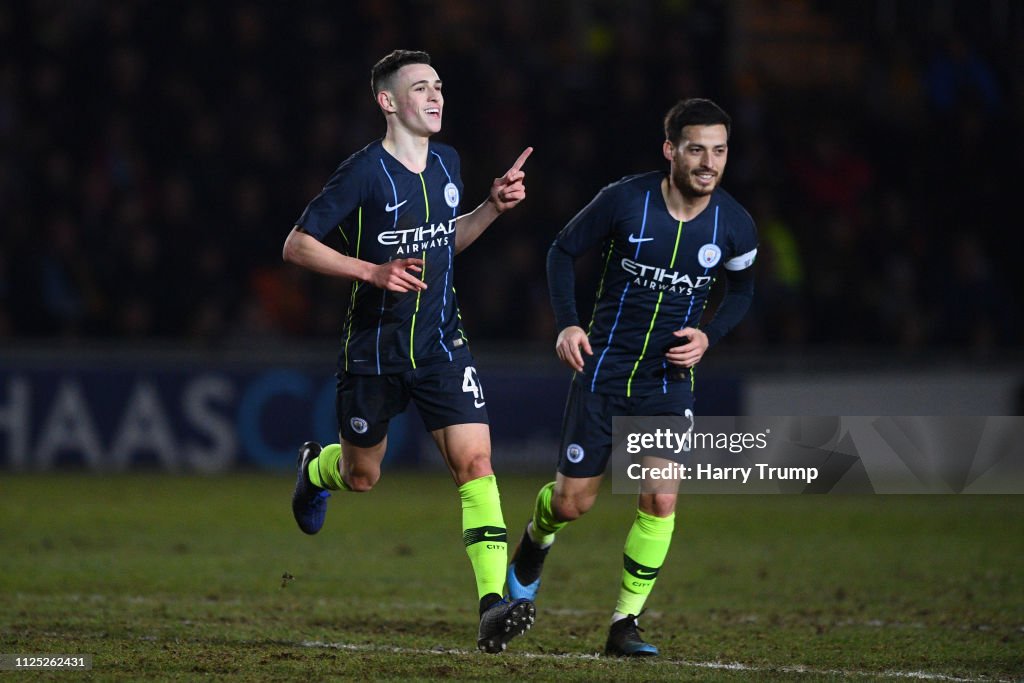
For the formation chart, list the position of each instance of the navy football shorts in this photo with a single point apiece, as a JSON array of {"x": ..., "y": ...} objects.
[
  {"x": 587, "y": 423},
  {"x": 445, "y": 394}
]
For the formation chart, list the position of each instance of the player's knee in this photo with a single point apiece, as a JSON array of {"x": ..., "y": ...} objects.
[
  {"x": 571, "y": 508},
  {"x": 474, "y": 467},
  {"x": 660, "y": 505},
  {"x": 361, "y": 482}
]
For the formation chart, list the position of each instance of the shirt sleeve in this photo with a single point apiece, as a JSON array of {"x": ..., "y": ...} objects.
[
  {"x": 341, "y": 196},
  {"x": 734, "y": 304},
  {"x": 743, "y": 245},
  {"x": 586, "y": 230},
  {"x": 562, "y": 286},
  {"x": 739, "y": 277},
  {"x": 590, "y": 226}
]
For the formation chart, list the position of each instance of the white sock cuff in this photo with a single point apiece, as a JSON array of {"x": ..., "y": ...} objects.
[
  {"x": 541, "y": 540},
  {"x": 619, "y": 616}
]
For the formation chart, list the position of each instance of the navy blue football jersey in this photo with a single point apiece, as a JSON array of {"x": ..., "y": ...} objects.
[
  {"x": 385, "y": 211},
  {"x": 657, "y": 274}
]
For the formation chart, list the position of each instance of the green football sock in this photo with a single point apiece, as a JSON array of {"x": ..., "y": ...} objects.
[
  {"x": 646, "y": 547},
  {"x": 325, "y": 469},
  {"x": 545, "y": 526},
  {"x": 484, "y": 533}
]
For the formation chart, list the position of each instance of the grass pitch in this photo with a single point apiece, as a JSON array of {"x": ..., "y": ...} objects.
[{"x": 176, "y": 578}]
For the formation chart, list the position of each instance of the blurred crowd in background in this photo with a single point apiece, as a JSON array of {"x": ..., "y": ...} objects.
[{"x": 155, "y": 154}]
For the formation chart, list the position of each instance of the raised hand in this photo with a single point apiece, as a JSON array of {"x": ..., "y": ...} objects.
[{"x": 509, "y": 189}]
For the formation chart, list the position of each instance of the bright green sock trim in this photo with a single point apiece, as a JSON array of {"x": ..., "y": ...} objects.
[
  {"x": 325, "y": 469},
  {"x": 544, "y": 523},
  {"x": 484, "y": 534},
  {"x": 646, "y": 547}
]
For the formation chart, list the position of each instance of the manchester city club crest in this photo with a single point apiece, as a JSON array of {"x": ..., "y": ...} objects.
[
  {"x": 574, "y": 453},
  {"x": 451, "y": 195},
  {"x": 709, "y": 255},
  {"x": 359, "y": 425}
]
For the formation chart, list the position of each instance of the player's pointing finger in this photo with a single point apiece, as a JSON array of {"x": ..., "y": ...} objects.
[{"x": 521, "y": 160}]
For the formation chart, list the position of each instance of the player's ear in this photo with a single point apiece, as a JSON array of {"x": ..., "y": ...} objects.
[
  {"x": 667, "y": 149},
  {"x": 386, "y": 102}
]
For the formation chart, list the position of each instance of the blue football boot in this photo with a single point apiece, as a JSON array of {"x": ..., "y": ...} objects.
[
  {"x": 528, "y": 561},
  {"x": 309, "y": 501}
]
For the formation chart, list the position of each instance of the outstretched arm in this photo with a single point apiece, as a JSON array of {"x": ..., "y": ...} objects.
[
  {"x": 506, "y": 192},
  {"x": 304, "y": 250}
]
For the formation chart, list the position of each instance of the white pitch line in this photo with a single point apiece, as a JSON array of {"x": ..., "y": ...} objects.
[{"x": 722, "y": 666}]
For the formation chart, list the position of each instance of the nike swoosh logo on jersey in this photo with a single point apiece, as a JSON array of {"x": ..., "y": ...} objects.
[
  {"x": 479, "y": 404},
  {"x": 488, "y": 534},
  {"x": 638, "y": 240},
  {"x": 389, "y": 208},
  {"x": 643, "y": 575}
]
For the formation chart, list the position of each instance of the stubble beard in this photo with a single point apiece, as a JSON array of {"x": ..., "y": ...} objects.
[{"x": 689, "y": 189}]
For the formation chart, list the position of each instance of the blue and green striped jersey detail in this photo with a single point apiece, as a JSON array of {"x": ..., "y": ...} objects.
[
  {"x": 656, "y": 278},
  {"x": 386, "y": 212}
]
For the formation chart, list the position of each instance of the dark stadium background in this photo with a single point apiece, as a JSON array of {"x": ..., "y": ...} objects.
[{"x": 155, "y": 155}]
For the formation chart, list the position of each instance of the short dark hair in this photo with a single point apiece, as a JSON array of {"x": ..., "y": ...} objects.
[
  {"x": 388, "y": 66},
  {"x": 695, "y": 111}
]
